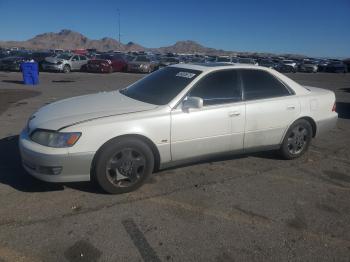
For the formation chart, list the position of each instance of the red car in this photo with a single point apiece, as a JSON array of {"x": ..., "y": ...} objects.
[
  {"x": 108, "y": 63},
  {"x": 80, "y": 51}
]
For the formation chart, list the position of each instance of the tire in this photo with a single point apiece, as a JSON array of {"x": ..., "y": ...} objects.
[
  {"x": 297, "y": 139},
  {"x": 123, "y": 165},
  {"x": 66, "y": 69}
]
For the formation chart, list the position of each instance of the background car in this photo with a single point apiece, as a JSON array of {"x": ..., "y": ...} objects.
[
  {"x": 243, "y": 60},
  {"x": 223, "y": 59},
  {"x": 308, "y": 66},
  {"x": 347, "y": 63},
  {"x": 39, "y": 57},
  {"x": 291, "y": 63},
  {"x": 269, "y": 63},
  {"x": 12, "y": 63},
  {"x": 166, "y": 61},
  {"x": 65, "y": 63},
  {"x": 336, "y": 67},
  {"x": 108, "y": 63},
  {"x": 142, "y": 64}
]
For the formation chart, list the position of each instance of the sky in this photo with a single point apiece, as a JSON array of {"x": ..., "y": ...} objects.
[{"x": 315, "y": 28}]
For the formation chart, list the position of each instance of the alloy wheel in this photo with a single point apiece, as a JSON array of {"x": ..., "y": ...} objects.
[
  {"x": 297, "y": 140},
  {"x": 125, "y": 167}
]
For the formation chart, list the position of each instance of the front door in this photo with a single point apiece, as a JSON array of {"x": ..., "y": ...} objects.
[
  {"x": 75, "y": 62},
  {"x": 216, "y": 127}
]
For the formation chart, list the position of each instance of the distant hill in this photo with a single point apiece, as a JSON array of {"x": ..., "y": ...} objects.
[
  {"x": 189, "y": 46},
  {"x": 68, "y": 40}
]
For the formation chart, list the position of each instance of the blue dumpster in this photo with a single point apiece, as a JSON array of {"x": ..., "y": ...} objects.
[{"x": 30, "y": 72}]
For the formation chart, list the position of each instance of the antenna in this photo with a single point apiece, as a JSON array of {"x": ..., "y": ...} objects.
[{"x": 118, "y": 12}]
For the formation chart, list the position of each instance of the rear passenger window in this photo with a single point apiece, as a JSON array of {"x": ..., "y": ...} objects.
[
  {"x": 82, "y": 57},
  {"x": 218, "y": 88},
  {"x": 258, "y": 84}
]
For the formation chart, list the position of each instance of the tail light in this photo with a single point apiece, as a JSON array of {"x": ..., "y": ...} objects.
[{"x": 334, "y": 108}]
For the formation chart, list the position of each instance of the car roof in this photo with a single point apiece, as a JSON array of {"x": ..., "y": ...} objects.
[{"x": 214, "y": 66}]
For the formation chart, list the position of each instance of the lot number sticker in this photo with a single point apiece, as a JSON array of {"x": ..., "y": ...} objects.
[{"x": 185, "y": 74}]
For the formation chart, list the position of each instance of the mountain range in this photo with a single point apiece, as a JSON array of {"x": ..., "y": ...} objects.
[{"x": 69, "y": 40}]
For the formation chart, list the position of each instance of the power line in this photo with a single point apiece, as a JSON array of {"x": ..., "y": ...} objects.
[{"x": 118, "y": 27}]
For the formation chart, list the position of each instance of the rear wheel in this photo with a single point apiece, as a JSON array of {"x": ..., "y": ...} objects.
[
  {"x": 296, "y": 140},
  {"x": 123, "y": 165}
]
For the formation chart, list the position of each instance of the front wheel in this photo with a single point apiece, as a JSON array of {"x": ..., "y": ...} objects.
[
  {"x": 66, "y": 69},
  {"x": 123, "y": 165},
  {"x": 296, "y": 140}
]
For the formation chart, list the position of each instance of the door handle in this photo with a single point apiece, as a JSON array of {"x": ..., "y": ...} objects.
[
  {"x": 234, "y": 113},
  {"x": 290, "y": 107}
]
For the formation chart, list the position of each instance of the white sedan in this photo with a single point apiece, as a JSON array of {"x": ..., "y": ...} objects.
[{"x": 176, "y": 114}]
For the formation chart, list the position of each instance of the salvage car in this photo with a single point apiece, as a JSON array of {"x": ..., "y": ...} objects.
[
  {"x": 336, "y": 67},
  {"x": 39, "y": 57},
  {"x": 291, "y": 63},
  {"x": 166, "y": 61},
  {"x": 142, "y": 64},
  {"x": 108, "y": 63},
  {"x": 12, "y": 63},
  {"x": 268, "y": 63},
  {"x": 308, "y": 67},
  {"x": 243, "y": 60},
  {"x": 64, "y": 63},
  {"x": 177, "y": 114}
]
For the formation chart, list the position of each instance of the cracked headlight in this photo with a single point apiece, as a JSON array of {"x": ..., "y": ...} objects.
[{"x": 55, "y": 139}]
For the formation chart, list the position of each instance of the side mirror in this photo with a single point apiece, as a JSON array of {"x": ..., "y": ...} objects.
[{"x": 192, "y": 102}]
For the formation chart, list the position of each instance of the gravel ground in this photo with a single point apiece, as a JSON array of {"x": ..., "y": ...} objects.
[{"x": 243, "y": 208}]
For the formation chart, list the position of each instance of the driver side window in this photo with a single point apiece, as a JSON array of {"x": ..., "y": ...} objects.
[
  {"x": 75, "y": 58},
  {"x": 221, "y": 87}
]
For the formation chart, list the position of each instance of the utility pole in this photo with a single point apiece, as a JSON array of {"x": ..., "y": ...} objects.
[{"x": 118, "y": 12}]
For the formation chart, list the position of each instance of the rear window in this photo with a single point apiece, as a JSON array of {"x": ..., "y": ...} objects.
[
  {"x": 162, "y": 86},
  {"x": 258, "y": 84}
]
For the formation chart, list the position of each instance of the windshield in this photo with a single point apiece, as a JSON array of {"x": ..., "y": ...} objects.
[
  {"x": 162, "y": 86},
  {"x": 64, "y": 56},
  {"x": 223, "y": 59},
  {"x": 169, "y": 59},
  {"x": 142, "y": 59},
  {"x": 245, "y": 61}
]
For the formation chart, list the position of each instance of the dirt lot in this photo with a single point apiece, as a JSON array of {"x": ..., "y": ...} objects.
[{"x": 244, "y": 208}]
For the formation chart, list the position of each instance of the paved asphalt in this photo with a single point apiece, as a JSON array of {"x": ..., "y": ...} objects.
[{"x": 253, "y": 207}]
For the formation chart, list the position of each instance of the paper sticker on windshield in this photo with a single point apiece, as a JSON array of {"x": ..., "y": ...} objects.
[{"x": 185, "y": 74}]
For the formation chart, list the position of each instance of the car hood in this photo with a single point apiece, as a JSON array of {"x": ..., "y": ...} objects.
[
  {"x": 79, "y": 109},
  {"x": 53, "y": 60}
]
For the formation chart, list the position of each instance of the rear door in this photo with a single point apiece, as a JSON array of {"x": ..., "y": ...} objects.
[
  {"x": 270, "y": 108},
  {"x": 83, "y": 61}
]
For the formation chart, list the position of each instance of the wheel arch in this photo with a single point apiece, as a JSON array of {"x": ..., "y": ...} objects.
[
  {"x": 307, "y": 118},
  {"x": 142, "y": 138},
  {"x": 312, "y": 123}
]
